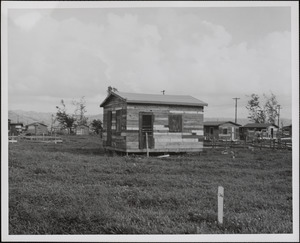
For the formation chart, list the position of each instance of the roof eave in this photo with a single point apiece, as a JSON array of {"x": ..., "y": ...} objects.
[{"x": 164, "y": 103}]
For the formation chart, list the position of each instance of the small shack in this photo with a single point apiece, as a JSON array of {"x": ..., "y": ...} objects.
[
  {"x": 36, "y": 128},
  {"x": 258, "y": 130},
  {"x": 171, "y": 123},
  {"x": 82, "y": 130},
  {"x": 221, "y": 130},
  {"x": 287, "y": 131},
  {"x": 15, "y": 128}
]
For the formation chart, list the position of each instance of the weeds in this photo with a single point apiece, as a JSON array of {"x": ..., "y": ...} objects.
[{"x": 73, "y": 188}]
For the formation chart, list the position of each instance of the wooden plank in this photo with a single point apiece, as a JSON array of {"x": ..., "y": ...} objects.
[
  {"x": 160, "y": 122},
  {"x": 134, "y": 122},
  {"x": 196, "y": 127},
  {"x": 170, "y": 140},
  {"x": 129, "y": 128},
  {"x": 185, "y": 112},
  {"x": 158, "y": 118},
  {"x": 132, "y": 144},
  {"x": 160, "y": 129},
  {"x": 192, "y": 136},
  {"x": 169, "y": 135},
  {"x": 198, "y": 132},
  {"x": 188, "y": 140},
  {"x": 132, "y": 138},
  {"x": 129, "y": 132}
]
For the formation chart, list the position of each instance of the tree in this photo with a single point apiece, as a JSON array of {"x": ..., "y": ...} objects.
[
  {"x": 97, "y": 126},
  {"x": 262, "y": 113},
  {"x": 80, "y": 110},
  {"x": 65, "y": 120},
  {"x": 271, "y": 108}
]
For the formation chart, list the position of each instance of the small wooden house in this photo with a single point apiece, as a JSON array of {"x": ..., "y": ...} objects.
[
  {"x": 221, "y": 130},
  {"x": 287, "y": 131},
  {"x": 261, "y": 130},
  {"x": 36, "y": 128},
  {"x": 82, "y": 130},
  {"x": 171, "y": 123},
  {"x": 15, "y": 128}
]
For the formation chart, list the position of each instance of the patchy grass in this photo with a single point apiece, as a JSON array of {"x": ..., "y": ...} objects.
[{"x": 74, "y": 188}]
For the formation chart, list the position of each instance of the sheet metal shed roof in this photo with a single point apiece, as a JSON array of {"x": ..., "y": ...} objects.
[
  {"x": 137, "y": 98},
  {"x": 218, "y": 123}
]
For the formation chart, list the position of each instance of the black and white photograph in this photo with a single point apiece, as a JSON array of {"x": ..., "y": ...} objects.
[{"x": 140, "y": 121}]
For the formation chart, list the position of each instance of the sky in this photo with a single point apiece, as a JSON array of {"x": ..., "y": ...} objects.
[{"x": 214, "y": 54}]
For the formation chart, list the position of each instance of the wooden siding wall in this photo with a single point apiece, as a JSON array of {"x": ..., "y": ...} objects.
[
  {"x": 229, "y": 134},
  {"x": 218, "y": 132},
  {"x": 190, "y": 139},
  {"x": 118, "y": 138},
  {"x": 38, "y": 130}
]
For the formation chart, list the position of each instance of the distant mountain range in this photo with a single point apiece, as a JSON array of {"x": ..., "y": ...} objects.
[{"x": 27, "y": 117}]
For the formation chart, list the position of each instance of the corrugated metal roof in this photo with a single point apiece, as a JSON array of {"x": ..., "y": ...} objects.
[
  {"x": 157, "y": 99},
  {"x": 259, "y": 125},
  {"x": 218, "y": 123}
]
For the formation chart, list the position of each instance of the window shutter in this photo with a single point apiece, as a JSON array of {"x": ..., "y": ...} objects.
[{"x": 175, "y": 123}]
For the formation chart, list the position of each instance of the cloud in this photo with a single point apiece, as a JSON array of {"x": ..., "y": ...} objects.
[
  {"x": 164, "y": 49},
  {"x": 28, "y": 20}
]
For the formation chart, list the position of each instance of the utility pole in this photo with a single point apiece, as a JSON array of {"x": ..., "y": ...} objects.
[{"x": 235, "y": 109}]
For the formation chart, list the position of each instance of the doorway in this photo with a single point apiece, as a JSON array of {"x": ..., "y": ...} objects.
[{"x": 146, "y": 120}]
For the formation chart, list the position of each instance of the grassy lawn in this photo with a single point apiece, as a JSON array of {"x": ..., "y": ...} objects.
[{"x": 74, "y": 188}]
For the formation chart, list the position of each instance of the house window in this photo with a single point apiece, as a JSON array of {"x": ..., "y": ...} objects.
[
  {"x": 175, "y": 123},
  {"x": 118, "y": 120},
  {"x": 225, "y": 131}
]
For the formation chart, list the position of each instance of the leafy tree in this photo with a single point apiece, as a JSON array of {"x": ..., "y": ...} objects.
[
  {"x": 97, "y": 126},
  {"x": 80, "y": 110},
  {"x": 64, "y": 119},
  {"x": 262, "y": 113},
  {"x": 271, "y": 108}
]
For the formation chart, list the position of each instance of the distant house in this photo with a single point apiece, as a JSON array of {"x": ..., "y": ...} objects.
[
  {"x": 82, "y": 130},
  {"x": 287, "y": 131},
  {"x": 262, "y": 130},
  {"x": 15, "y": 128},
  {"x": 163, "y": 123},
  {"x": 36, "y": 128},
  {"x": 221, "y": 130}
]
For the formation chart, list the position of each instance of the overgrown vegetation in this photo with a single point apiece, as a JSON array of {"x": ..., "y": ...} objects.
[
  {"x": 263, "y": 113},
  {"x": 74, "y": 188}
]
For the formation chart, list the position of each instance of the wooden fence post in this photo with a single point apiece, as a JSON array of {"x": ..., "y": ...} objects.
[{"x": 220, "y": 204}]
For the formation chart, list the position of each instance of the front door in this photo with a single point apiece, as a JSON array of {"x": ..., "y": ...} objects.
[{"x": 146, "y": 129}]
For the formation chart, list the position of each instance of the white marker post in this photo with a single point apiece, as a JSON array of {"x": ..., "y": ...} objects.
[{"x": 220, "y": 204}]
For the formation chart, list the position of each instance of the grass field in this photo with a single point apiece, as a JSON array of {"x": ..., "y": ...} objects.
[{"x": 74, "y": 188}]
